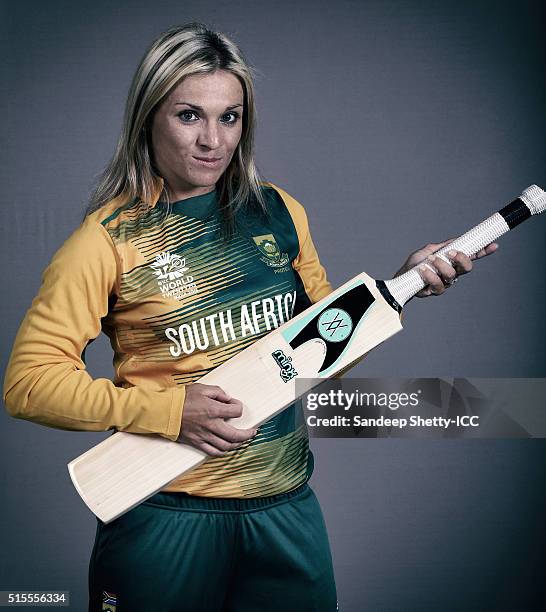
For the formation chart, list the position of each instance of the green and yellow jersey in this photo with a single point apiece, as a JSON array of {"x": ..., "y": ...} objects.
[{"x": 175, "y": 301}]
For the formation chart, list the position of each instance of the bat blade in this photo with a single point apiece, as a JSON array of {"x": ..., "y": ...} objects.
[{"x": 329, "y": 336}]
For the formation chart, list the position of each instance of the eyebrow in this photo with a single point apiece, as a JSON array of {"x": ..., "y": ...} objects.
[{"x": 200, "y": 108}]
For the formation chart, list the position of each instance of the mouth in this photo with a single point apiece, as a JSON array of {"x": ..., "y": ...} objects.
[{"x": 208, "y": 162}]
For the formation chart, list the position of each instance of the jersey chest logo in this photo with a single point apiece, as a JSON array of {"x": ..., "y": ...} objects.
[
  {"x": 270, "y": 252},
  {"x": 170, "y": 271}
]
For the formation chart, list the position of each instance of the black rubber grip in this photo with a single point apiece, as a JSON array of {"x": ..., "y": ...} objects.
[
  {"x": 515, "y": 212},
  {"x": 388, "y": 296}
]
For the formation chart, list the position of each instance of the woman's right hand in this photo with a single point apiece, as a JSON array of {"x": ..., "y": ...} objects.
[{"x": 203, "y": 420}]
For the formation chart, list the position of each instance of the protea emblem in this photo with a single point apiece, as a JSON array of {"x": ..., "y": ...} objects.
[
  {"x": 169, "y": 267},
  {"x": 271, "y": 253}
]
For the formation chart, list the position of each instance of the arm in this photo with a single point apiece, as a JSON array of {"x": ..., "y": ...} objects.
[{"x": 46, "y": 379}]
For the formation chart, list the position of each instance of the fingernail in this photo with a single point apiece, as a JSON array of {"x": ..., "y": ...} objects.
[
  {"x": 431, "y": 257},
  {"x": 452, "y": 253}
]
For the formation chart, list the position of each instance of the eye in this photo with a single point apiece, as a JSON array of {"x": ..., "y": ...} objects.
[
  {"x": 230, "y": 117},
  {"x": 186, "y": 116}
]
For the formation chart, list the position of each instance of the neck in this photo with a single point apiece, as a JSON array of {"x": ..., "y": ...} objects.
[{"x": 176, "y": 195}]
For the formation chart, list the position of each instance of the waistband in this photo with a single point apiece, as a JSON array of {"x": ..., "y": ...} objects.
[{"x": 185, "y": 502}]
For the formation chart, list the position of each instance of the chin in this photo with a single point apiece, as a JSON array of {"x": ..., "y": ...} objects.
[{"x": 206, "y": 178}]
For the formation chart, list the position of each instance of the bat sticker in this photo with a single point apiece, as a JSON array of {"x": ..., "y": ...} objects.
[
  {"x": 335, "y": 323},
  {"x": 285, "y": 363}
]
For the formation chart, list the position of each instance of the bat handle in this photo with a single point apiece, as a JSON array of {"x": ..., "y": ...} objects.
[{"x": 531, "y": 202}]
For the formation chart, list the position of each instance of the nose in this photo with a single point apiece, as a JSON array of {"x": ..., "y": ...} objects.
[{"x": 209, "y": 136}]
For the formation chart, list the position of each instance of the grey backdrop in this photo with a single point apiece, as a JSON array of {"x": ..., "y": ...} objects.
[{"x": 395, "y": 123}]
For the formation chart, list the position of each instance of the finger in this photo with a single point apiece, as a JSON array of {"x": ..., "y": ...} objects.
[
  {"x": 426, "y": 292},
  {"x": 217, "y": 393},
  {"x": 445, "y": 243},
  {"x": 460, "y": 261},
  {"x": 445, "y": 271},
  {"x": 488, "y": 250},
  {"x": 210, "y": 450},
  {"x": 432, "y": 247},
  {"x": 431, "y": 279},
  {"x": 232, "y": 434},
  {"x": 226, "y": 410},
  {"x": 219, "y": 443},
  {"x": 200, "y": 444}
]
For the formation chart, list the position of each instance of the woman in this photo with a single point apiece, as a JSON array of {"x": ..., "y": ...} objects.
[{"x": 185, "y": 258}]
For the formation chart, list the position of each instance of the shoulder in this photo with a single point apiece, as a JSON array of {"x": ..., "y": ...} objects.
[
  {"x": 296, "y": 210},
  {"x": 291, "y": 203},
  {"x": 95, "y": 229},
  {"x": 87, "y": 250},
  {"x": 114, "y": 212}
]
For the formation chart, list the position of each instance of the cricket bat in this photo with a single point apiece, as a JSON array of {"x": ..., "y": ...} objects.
[{"x": 329, "y": 336}]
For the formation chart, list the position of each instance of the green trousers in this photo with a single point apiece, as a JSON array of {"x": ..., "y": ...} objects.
[{"x": 181, "y": 553}]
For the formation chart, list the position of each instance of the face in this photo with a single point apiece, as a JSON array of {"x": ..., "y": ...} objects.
[{"x": 195, "y": 132}]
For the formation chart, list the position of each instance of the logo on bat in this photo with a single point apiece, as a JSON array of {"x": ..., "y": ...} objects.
[
  {"x": 271, "y": 253},
  {"x": 285, "y": 364},
  {"x": 335, "y": 324}
]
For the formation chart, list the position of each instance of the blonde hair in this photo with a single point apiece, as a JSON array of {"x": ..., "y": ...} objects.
[{"x": 177, "y": 53}]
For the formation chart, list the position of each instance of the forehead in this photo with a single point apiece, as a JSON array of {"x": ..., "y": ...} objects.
[{"x": 220, "y": 87}]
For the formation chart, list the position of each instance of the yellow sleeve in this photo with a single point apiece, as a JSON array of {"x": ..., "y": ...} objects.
[
  {"x": 307, "y": 263},
  {"x": 46, "y": 380}
]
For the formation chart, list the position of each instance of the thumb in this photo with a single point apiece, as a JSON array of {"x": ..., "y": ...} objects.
[{"x": 435, "y": 246}]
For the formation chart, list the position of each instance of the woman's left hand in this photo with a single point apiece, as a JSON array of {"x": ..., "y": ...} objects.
[{"x": 444, "y": 275}]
